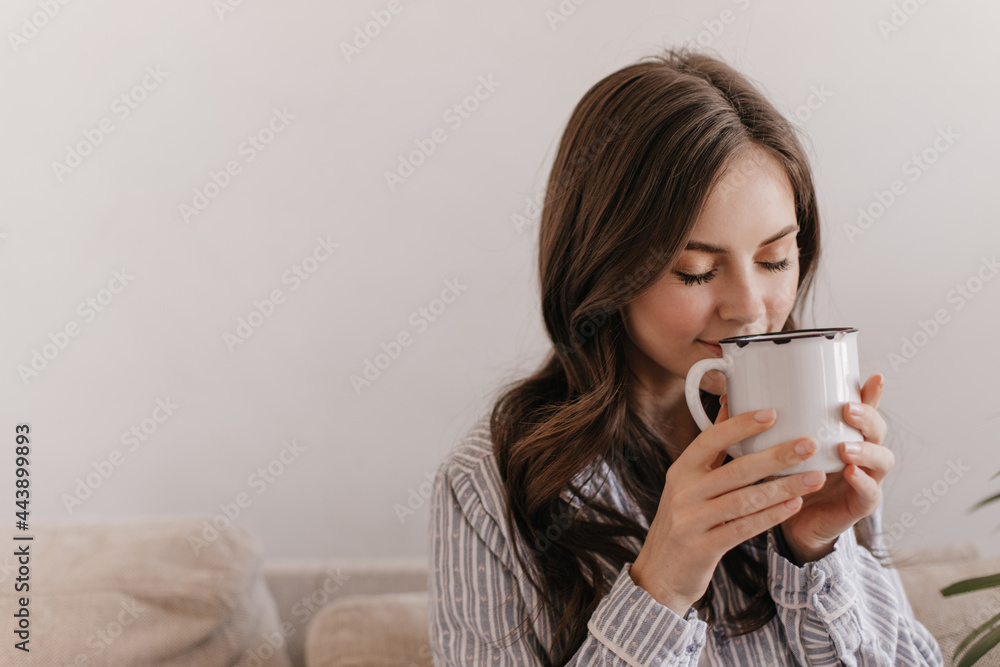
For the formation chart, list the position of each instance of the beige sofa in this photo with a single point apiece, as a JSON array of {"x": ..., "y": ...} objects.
[{"x": 175, "y": 591}]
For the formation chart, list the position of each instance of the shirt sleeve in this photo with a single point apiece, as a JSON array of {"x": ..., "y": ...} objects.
[
  {"x": 847, "y": 609},
  {"x": 478, "y": 613}
]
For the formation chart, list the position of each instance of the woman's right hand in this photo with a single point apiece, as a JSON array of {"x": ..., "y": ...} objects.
[{"x": 708, "y": 508}]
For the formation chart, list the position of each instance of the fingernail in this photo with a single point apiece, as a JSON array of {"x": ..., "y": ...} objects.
[
  {"x": 856, "y": 409},
  {"x": 764, "y": 416},
  {"x": 852, "y": 448},
  {"x": 723, "y": 399},
  {"x": 804, "y": 447},
  {"x": 813, "y": 477}
]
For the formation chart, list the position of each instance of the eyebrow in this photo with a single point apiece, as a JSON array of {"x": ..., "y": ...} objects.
[{"x": 719, "y": 250}]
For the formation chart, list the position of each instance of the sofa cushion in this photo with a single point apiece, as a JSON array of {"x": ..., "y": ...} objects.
[
  {"x": 146, "y": 592},
  {"x": 950, "y": 619},
  {"x": 302, "y": 587},
  {"x": 388, "y": 630}
]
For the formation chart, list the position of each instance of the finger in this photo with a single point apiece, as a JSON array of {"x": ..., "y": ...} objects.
[
  {"x": 871, "y": 393},
  {"x": 869, "y": 493},
  {"x": 723, "y": 411},
  {"x": 724, "y": 537},
  {"x": 866, "y": 419},
  {"x": 705, "y": 449},
  {"x": 756, "y": 497},
  {"x": 875, "y": 459},
  {"x": 751, "y": 468}
]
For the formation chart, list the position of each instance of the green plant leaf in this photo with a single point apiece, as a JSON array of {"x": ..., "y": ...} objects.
[
  {"x": 983, "y": 502},
  {"x": 980, "y": 648},
  {"x": 975, "y": 633},
  {"x": 969, "y": 585}
]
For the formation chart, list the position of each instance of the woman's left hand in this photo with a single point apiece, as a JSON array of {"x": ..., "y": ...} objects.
[{"x": 850, "y": 495}]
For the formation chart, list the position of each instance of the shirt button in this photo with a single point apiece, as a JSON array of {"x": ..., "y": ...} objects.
[
  {"x": 692, "y": 648},
  {"x": 826, "y": 587}
]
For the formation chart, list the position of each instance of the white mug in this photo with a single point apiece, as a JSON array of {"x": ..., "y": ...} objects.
[{"x": 806, "y": 376}]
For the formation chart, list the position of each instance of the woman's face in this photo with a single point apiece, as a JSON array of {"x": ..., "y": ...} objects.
[{"x": 737, "y": 276}]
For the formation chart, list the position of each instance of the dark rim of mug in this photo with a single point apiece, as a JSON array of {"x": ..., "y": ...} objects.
[{"x": 779, "y": 337}]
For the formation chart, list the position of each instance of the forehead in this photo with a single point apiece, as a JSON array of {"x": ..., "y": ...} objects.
[{"x": 752, "y": 200}]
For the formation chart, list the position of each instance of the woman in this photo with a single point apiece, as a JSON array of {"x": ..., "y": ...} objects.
[{"x": 586, "y": 520}]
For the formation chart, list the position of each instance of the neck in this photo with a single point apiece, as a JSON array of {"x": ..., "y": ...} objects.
[
  {"x": 666, "y": 412},
  {"x": 661, "y": 402}
]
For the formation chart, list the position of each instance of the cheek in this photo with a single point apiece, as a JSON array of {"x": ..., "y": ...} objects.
[
  {"x": 785, "y": 294},
  {"x": 692, "y": 313},
  {"x": 783, "y": 301},
  {"x": 671, "y": 315}
]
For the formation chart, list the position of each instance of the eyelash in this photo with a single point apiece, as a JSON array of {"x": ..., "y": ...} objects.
[{"x": 705, "y": 277}]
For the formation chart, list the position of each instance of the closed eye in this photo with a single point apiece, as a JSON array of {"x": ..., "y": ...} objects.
[{"x": 705, "y": 277}]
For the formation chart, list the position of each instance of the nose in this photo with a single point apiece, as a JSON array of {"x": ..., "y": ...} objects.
[{"x": 743, "y": 297}]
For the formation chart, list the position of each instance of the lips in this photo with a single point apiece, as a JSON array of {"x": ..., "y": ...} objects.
[{"x": 714, "y": 347}]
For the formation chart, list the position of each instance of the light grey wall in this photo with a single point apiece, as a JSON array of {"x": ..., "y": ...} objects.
[{"x": 882, "y": 84}]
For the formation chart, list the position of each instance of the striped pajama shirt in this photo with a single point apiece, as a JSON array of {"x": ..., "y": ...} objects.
[{"x": 844, "y": 609}]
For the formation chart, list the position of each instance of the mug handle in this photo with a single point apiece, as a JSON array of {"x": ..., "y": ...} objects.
[{"x": 692, "y": 387}]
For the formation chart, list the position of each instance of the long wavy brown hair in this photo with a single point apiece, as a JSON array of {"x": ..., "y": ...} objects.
[{"x": 641, "y": 152}]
